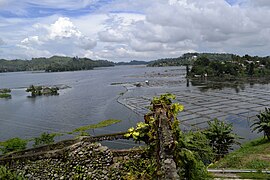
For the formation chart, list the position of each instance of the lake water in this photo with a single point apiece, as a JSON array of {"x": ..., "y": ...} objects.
[{"x": 91, "y": 98}]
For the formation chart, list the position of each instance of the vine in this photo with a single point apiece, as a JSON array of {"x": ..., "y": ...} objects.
[{"x": 191, "y": 149}]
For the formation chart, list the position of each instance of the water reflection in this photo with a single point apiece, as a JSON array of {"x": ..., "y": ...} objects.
[{"x": 205, "y": 85}]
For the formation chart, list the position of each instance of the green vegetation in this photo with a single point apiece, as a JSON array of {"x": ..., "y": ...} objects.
[
  {"x": 45, "y": 138},
  {"x": 6, "y": 174},
  {"x": 191, "y": 150},
  {"x": 17, "y": 144},
  {"x": 221, "y": 137},
  {"x": 252, "y": 155},
  {"x": 262, "y": 124},
  {"x": 142, "y": 168},
  {"x": 254, "y": 175},
  {"x": 188, "y": 59},
  {"x": 235, "y": 66},
  {"x": 14, "y": 144},
  {"x": 39, "y": 90},
  {"x": 52, "y": 64},
  {"x": 5, "y": 93},
  {"x": 101, "y": 124}
]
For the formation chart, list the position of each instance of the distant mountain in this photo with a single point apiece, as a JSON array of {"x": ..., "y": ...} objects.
[
  {"x": 133, "y": 62},
  {"x": 52, "y": 64}
]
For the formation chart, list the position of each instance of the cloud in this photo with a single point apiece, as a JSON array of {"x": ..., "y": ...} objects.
[
  {"x": 2, "y": 42},
  {"x": 201, "y": 26},
  {"x": 258, "y": 3},
  {"x": 127, "y": 29},
  {"x": 61, "y": 37}
]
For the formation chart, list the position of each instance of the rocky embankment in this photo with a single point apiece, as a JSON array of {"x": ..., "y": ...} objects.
[{"x": 82, "y": 160}]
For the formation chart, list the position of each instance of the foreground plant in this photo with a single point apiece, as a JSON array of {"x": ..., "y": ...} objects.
[
  {"x": 9, "y": 175},
  {"x": 262, "y": 124},
  {"x": 221, "y": 137},
  {"x": 191, "y": 150}
]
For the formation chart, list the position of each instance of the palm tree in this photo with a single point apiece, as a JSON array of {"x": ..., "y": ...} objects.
[{"x": 262, "y": 124}]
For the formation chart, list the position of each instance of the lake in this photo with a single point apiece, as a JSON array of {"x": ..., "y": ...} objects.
[{"x": 92, "y": 98}]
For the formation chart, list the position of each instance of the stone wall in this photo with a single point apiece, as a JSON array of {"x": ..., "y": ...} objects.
[
  {"x": 167, "y": 165},
  {"x": 84, "y": 158}
]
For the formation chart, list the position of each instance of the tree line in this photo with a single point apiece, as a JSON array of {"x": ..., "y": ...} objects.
[
  {"x": 235, "y": 66},
  {"x": 188, "y": 59},
  {"x": 52, "y": 64}
]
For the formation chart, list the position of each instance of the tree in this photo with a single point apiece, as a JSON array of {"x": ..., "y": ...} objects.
[
  {"x": 221, "y": 137},
  {"x": 250, "y": 69},
  {"x": 262, "y": 124}
]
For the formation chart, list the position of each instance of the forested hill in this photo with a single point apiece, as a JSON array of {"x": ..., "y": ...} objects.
[
  {"x": 189, "y": 58},
  {"x": 52, "y": 64}
]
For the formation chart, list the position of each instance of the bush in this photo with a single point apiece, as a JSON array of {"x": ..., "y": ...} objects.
[
  {"x": 5, "y": 95},
  {"x": 14, "y": 144},
  {"x": 45, "y": 138}
]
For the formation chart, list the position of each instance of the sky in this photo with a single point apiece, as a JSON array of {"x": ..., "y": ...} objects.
[{"x": 124, "y": 30}]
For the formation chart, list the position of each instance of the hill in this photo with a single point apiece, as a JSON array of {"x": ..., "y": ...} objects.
[
  {"x": 188, "y": 59},
  {"x": 52, "y": 64}
]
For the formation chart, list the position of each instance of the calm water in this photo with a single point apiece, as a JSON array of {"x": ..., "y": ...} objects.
[{"x": 90, "y": 100}]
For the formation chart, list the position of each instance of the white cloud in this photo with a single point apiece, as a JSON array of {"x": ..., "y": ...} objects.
[
  {"x": 61, "y": 37},
  {"x": 63, "y": 28},
  {"x": 128, "y": 29}
]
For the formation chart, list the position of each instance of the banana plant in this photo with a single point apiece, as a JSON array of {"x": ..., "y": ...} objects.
[
  {"x": 262, "y": 124},
  {"x": 221, "y": 137}
]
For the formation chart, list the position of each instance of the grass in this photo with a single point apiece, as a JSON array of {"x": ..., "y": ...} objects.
[
  {"x": 252, "y": 155},
  {"x": 5, "y": 95},
  {"x": 254, "y": 175},
  {"x": 98, "y": 125}
]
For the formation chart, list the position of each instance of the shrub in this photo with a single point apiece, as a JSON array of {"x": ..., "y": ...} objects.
[
  {"x": 9, "y": 175},
  {"x": 45, "y": 138},
  {"x": 14, "y": 144},
  {"x": 5, "y": 95}
]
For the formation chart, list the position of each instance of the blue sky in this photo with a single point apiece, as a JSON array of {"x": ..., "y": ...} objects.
[{"x": 122, "y": 30}]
